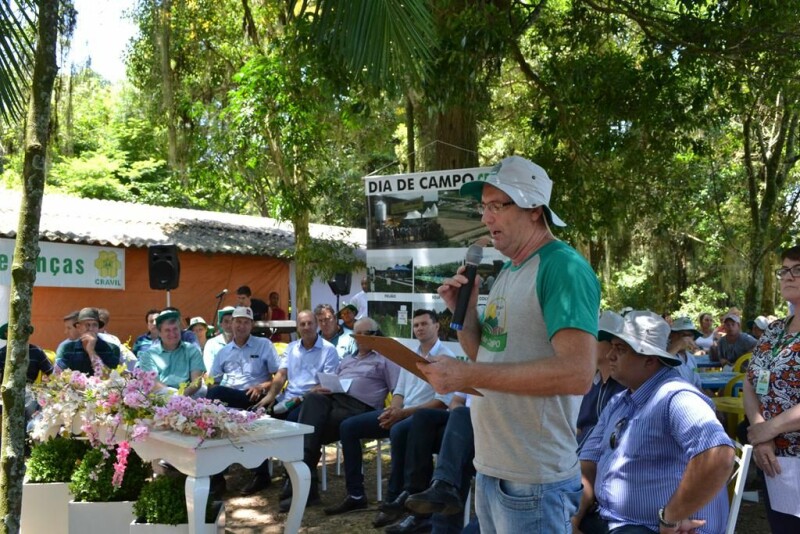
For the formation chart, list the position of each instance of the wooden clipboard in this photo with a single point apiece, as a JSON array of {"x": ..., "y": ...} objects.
[{"x": 401, "y": 355}]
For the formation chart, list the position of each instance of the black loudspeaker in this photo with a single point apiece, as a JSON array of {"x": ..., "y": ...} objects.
[
  {"x": 340, "y": 283},
  {"x": 165, "y": 268}
]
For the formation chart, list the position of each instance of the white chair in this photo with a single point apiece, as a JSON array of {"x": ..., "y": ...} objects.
[
  {"x": 743, "y": 455},
  {"x": 378, "y": 468}
]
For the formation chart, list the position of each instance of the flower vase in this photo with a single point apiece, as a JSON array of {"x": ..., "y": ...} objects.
[
  {"x": 100, "y": 517},
  {"x": 217, "y": 527},
  {"x": 44, "y": 507}
]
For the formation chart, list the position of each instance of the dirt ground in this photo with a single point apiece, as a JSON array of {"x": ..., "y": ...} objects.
[{"x": 259, "y": 513}]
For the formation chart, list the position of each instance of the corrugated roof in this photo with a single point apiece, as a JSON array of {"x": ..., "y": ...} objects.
[{"x": 104, "y": 222}]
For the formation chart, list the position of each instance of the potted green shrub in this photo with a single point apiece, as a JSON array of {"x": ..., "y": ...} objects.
[
  {"x": 100, "y": 506},
  {"x": 161, "y": 509},
  {"x": 48, "y": 471}
]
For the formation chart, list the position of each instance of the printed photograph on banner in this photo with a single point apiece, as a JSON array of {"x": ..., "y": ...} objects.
[
  {"x": 390, "y": 272},
  {"x": 394, "y": 317},
  {"x": 432, "y": 266}
]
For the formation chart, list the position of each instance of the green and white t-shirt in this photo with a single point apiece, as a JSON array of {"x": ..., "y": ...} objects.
[{"x": 522, "y": 438}]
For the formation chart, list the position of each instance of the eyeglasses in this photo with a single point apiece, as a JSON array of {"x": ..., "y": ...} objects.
[
  {"x": 366, "y": 333},
  {"x": 783, "y": 271},
  {"x": 493, "y": 207},
  {"x": 614, "y": 440}
]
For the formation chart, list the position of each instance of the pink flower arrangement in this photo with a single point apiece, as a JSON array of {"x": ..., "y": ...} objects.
[{"x": 123, "y": 407}]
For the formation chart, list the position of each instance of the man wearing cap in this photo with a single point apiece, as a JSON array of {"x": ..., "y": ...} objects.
[
  {"x": 199, "y": 327},
  {"x": 88, "y": 352},
  {"x": 243, "y": 369},
  {"x": 604, "y": 387},
  {"x": 215, "y": 344},
  {"x": 330, "y": 330},
  {"x": 758, "y": 326},
  {"x": 533, "y": 352},
  {"x": 348, "y": 316},
  {"x": 681, "y": 341},
  {"x": 144, "y": 341},
  {"x": 176, "y": 362},
  {"x": 658, "y": 459},
  {"x": 734, "y": 343}
]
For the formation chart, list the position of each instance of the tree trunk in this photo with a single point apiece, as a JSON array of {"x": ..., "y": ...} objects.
[
  {"x": 23, "y": 270},
  {"x": 163, "y": 40},
  {"x": 410, "y": 135},
  {"x": 302, "y": 242}
]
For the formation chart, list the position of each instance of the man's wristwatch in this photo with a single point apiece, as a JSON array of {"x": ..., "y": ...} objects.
[{"x": 663, "y": 522}]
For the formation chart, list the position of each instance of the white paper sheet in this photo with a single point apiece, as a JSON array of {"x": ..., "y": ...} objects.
[
  {"x": 333, "y": 383},
  {"x": 784, "y": 490}
]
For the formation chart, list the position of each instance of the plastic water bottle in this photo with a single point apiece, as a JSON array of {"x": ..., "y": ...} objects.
[{"x": 286, "y": 405}]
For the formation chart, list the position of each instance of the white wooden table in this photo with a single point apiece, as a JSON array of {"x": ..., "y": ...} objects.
[{"x": 271, "y": 438}]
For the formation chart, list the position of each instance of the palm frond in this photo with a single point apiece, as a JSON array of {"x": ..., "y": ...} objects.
[
  {"x": 17, "y": 25},
  {"x": 379, "y": 40}
]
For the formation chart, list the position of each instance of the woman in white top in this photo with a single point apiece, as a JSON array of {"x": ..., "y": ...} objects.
[{"x": 707, "y": 332}]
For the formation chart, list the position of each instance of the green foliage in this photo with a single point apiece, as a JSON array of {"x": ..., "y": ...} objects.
[
  {"x": 162, "y": 501},
  {"x": 91, "y": 482},
  {"x": 701, "y": 299},
  {"x": 55, "y": 460}
]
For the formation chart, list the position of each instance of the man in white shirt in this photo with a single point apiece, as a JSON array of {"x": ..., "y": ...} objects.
[
  {"x": 215, "y": 344},
  {"x": 359, "y": 300},
  {"x": 410, "y": 394}
]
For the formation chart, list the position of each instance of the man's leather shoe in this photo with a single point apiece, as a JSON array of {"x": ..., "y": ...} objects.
[
  {"x": 396, "y": 505},
  {"x": 409, "y": 524},
  {"x": 386, "y": 518},
  {"x": 313, "y": 498},
  {"x": 259, "y": 482},
  {"x": 349, "y": 504},
  {"x": 440, "y": 498}
]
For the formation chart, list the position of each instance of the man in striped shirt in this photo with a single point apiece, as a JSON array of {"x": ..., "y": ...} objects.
[{"x": 658, "y": 459}]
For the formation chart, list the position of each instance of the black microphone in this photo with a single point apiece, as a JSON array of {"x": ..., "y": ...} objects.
[
  {"x": 473, "y": 259},
  {"x": 221, "y": 294}
]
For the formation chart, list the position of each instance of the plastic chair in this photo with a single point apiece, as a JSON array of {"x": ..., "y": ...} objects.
[
  {"x": 740, "y": 365},
  {"x": 731, "y": 403},
  {"x": 743, "y": 455}
]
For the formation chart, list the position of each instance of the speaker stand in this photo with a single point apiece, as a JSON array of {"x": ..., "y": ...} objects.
[{"x": 168, "y": 299}]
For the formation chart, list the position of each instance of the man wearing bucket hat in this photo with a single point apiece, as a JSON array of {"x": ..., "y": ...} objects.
[
  {"x": 89, "y": 351},
  {"x": 215, "y": 344},
  {"x": 533, "y": 353},
  {"x": 681, "y": 341},
  {"x": 734, "y": 344},
  {"x": 658, "y": 459}
]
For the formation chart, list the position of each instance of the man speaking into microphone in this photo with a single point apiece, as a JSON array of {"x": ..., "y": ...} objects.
[{"x": 532, "y": 352}]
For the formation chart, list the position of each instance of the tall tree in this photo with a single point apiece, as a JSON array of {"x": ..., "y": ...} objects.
[{"x": 23, "y": 271}]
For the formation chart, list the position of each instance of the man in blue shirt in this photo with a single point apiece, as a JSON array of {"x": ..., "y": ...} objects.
[
  {"x": 88, "y": 352},
  {"x": 144, "y": 341},
  {"x": 243, "y": 369},
  {"x": 658, "y": 459}
]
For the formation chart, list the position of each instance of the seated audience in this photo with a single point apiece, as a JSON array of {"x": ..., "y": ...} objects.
[
  {"x": 336, "y": 335},
  {"x": 373, "y": 377},
  {"x": 707, "y": 333},
  {"x": 175, "y": 362},
  {"x": 658, "y": 459},
  {"x": 348, "y": 316},
  {"x": 215, "y": 344},
  {"x": 681, "y": 341},
  {"x": 125, "y": 353},
  {"x": 199, "y": 328},
  {"x": 734, "y": 344},
  {"x": 69, "y": 328},
  {"x": 89, "y": 352},
  {"x": 37, "y": 363},
  {"x": 243, "y": 369},
  {"x": 144, "y": 341}
]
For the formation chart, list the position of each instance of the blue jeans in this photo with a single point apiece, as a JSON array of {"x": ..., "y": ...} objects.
[
  {"x": 351, "y": 431},
  {"x": 505, "y": 506}
]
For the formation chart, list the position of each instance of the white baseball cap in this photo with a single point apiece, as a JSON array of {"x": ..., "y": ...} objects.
[
  {"x": 524, "y": 181},
  {"x": 243, "y": 311}
]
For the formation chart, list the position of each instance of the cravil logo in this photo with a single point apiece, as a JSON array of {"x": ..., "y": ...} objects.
[{"x": 107, "y": 264}]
